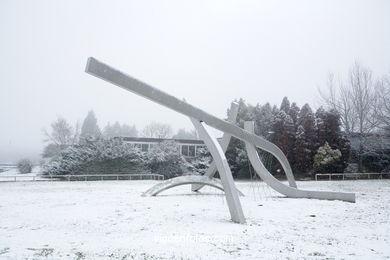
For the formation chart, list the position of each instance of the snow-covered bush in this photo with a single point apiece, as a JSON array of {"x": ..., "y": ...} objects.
[
  {"x": 165, "y": 159},
  {"x": 97, "y": 156},
  {"x": 202, "y": 161},
  {"x": 327, "y": 159},
  {"x": 24, "y": 166}
]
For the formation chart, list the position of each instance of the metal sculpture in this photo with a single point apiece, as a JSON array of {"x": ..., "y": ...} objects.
[
  {"x": 200, "y": 118},
  {"x": 184, "y": 180}
]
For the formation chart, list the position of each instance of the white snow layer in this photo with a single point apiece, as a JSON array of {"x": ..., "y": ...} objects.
[{"x": 110, "y": 220}]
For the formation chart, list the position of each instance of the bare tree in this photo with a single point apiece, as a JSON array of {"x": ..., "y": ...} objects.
[
  {"x": 364, "y": 97},
  {"x": 356, "y": 100},
  {"x": 339, "y": 98},
  {"x": 157, "y": 130},
  {"x": 383, "y": 111},
  {"x": 184, "y": 134},
  {"x": 62, "y": 133},
  {"x": 61, "y": 136}
]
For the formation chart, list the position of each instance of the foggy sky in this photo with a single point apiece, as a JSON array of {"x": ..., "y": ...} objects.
[{"x": 208, "y": 52}]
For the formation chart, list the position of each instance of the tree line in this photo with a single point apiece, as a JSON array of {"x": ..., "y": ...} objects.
[
  {"x": 298, "y": 132},
  {"x": 62, "y": 134},
  {"x": 313, "y": 141}
]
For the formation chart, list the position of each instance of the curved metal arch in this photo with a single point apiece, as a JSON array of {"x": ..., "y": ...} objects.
[
  {"x": 184, "y": 180},
  {"x": 274, "y": 183},
  {"x": 181, "y": 180}
]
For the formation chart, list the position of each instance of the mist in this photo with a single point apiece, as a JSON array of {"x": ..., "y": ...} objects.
[{"x": 209, "y": 53}]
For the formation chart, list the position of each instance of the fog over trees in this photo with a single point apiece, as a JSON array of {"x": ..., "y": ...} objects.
[
  {"x": 60, "y": 136},
  {"x": 354, "y": 108},
  {"x": 90, "y": 126},
  {"x": 313, "y": 141},
  {"x": 258, "y": 50},
  {"x": 157, "y": 130},
  {"x": 118, "y": 129}
]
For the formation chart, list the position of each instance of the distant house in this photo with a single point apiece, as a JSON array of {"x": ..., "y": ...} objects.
[{"x": 188, "y": 148}]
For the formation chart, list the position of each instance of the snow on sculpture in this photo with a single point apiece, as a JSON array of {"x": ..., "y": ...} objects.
[
  {"x": 183, "y": 180},
  {"x": 200, "y": 119}
]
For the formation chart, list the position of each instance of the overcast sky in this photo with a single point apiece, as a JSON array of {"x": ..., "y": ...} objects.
[{"x": 208, "y": 52}]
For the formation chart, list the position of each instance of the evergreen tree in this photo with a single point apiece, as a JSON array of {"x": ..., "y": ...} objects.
[
  {"x": 263, "y": 117},
  {"x": 90, "y": 127},
  {"x": 303, "y": 156},
  {"x": 321, "y": 127},
  {"x": 305, "y": 143},
  {"x": 285, "y": 106},
  {"x": 294, "y": 112},
  {"x": 236, "y": 152},
  {"x": 283, "y": 134},
  {"x": 244, "y": 112}
]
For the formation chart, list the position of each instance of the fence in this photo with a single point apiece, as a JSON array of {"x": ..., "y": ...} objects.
[
  {"x": 351, "y": 175},
  {"x": 94, "y": 177}
]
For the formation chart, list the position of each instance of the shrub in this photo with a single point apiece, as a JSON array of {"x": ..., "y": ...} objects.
[
  {"x": 202, "y": 161},
  {"x": 327, "y": 159},
  {"x": 24, "y": 166},
  {"x": 165, "y": 159},
  {"x": 97, "y": 156}
]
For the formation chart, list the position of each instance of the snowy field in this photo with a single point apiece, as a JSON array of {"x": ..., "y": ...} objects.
[{"x": 110, "y": 220}]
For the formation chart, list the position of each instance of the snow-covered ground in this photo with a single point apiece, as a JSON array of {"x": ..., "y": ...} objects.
[{"x": 110, "y": 220}]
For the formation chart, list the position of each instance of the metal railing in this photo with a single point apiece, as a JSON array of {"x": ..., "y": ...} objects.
[
  {"x": 351, "y": 175},
  {"x": 85, "y": 177},
  {"x": 15, "y": 177}
]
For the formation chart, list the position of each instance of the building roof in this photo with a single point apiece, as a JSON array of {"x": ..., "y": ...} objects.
[{"x": 158, "y": 140}]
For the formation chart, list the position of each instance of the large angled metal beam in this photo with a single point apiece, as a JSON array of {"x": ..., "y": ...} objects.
[
  {"x": 116, "y": 77},
  {"x": 225, "y": 174},
  {"x": 224, "y": 145}
]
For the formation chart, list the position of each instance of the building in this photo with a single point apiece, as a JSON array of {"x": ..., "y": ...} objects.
[{"x": 188, "y": 148}]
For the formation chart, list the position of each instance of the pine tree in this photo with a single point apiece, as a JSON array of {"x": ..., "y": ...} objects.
[
  {"x": 283, "y": 135},
  {"x": 294, "y": 112},
  {"x": 236, "y": 152},
  {"x": 244, "y": 112},
  {"x": 285, "y": 106},
  {"x": 90, "y": 127},
  {"x": 321, "y": 127},
  {"x": 263, "y": 117},
  {"x": 305, "y": 143},
  {"x": 303, "y": 162}
]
